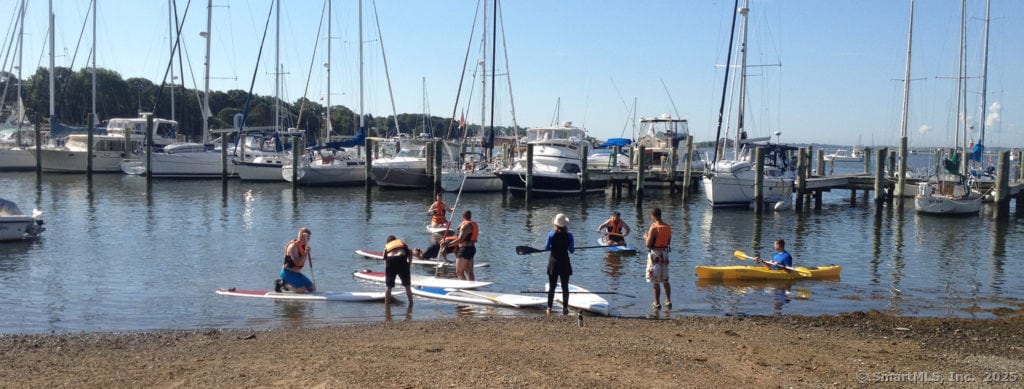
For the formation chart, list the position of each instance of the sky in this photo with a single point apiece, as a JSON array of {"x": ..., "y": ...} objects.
[{"x": 825, "y": 72}]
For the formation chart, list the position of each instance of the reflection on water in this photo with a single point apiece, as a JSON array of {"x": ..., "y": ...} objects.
[{"x": 120, "y": 247}]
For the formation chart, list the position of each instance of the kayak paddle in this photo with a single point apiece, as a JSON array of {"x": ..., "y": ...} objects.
[
  {"x": 743, "y": 255},
  {"x": 523, "y": 250}
]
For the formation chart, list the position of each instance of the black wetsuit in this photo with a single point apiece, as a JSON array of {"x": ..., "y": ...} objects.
[{"x": 559, "y": 268}]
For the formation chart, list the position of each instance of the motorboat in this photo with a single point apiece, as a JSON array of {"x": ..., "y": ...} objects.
[
  {"x": 406, "y": 169},
  {"x": 843, "y": 155},
  {"x": 557, "y": 163},
  {"x": 664, "y": 155},
  {"x": 15, "y": 225},
  {"x": 109, "y": 148}
]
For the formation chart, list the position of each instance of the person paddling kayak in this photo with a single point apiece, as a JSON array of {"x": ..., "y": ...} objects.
[{"x": 781, "y": 259}]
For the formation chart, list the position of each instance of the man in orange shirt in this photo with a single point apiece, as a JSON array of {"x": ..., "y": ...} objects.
[{"x": 658, "y": 238}]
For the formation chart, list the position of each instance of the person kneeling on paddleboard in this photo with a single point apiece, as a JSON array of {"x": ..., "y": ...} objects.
[
  {"x": 615, "y": 230},
  {"x": 296, "y": 254},
  {"x": 397, "y": 258}
]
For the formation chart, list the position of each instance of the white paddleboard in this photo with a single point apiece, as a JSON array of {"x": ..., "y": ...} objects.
[
  {"x": 437, "y": 230},
  {"x": 327, "y": 296},
  {"x": 581, "y": 298},
  {"x": 371, "y": 254},
  {"x": 426, "y": 281},
  {"x": 480, "y": 297}
]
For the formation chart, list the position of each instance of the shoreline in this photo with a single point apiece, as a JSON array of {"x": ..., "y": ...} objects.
[{"x": 851, "y": 349}]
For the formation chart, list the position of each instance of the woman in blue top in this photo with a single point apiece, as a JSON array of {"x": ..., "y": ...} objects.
[
  {"x": 781, "y": 260},
  {"x": 560, "y": 243}
]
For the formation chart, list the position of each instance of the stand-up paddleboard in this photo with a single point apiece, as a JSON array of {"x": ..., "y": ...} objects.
[
  {"x": 480, "y": 297},
  {"x": 580, "y": 298},
  {"x": 326, "y": 296},
  {"x": 424, "y": 281},
  {"x": 371, "y": 254},
  {"x": 624, "y": 249}
]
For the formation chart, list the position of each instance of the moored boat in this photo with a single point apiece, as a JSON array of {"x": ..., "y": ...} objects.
[
  {"x": 17, "y": 226},
  {"x": 557, "y": 163}
]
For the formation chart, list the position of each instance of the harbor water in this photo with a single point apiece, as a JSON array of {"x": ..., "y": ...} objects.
[{"x": 121, "y": 255}]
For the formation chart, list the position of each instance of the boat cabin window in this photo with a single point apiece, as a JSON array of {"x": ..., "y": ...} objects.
[{"x": 570, "y": 168}]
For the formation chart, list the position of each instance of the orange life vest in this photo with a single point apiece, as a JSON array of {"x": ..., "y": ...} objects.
[
  {"x": 288, "y": 260},
  {"x": 615, "y": 227},
  {"x": 663, "y": 236},
  {"x": 473, "y": 235},
  {"x": 439, "y": 210},
  {"x": 400, "y": 248}
]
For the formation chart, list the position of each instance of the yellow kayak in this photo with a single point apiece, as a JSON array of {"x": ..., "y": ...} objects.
[{"x": 762, "y": 273}]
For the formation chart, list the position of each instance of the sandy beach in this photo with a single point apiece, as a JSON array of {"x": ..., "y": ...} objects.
[{"x": 849, "y": 350}]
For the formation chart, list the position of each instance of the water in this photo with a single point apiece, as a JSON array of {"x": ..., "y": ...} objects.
[{"x": 120, "y": 257}]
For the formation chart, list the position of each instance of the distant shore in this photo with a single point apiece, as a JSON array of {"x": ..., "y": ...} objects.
[{"x": 848, "y": 350}]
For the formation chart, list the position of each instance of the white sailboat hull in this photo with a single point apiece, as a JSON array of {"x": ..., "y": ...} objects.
[
  {"x": 737, "y": 189},
  {"x": 470, "y": 181},
  {"x": 17, "y": 159},
  {"x": 69, "y": 161},
  {"x": 336, "y": 173},
  {"x": 206, "y": 164}
]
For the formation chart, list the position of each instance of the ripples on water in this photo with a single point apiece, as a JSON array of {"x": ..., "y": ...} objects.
[{"x": 118, "y": 256}]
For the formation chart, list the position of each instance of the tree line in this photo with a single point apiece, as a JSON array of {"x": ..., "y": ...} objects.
[{"x": 118, "y": 98}]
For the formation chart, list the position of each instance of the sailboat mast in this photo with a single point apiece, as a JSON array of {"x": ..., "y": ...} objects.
[
  {"x": 93, "y": 119},
  {"x": 483, "y": 73},
  {"x": 902, "y": 174},
  {"x": 277, "y": 65},
  {"x": 494, "y": 62},
  {"x": 961, "y": 119},
  {"x": 725, "y": 82},
  {"x": 327, "y": 134},
  {"x": 53, "y": 114},
  {"x": 745, "y": 11},
  {"x": 984, "y": 76},
  {"x": 206, "y": 75},
  {"x": 21, "y": 48},
  {"x": 361, "y": 118},
  {"x": 170, "y": 41}
]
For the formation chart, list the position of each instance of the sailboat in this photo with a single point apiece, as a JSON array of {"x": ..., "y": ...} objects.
[
  {"x": 184, "y": 159},
  {"x": 334, "y": 163},
  {"x": 16, "y": 133},
  {"x": 949, "y": 192},
  {"x": 730, "y": 182},
  {"x": 474, "y": 172}
]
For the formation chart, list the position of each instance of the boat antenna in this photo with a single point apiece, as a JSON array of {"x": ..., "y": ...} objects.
[
  {"x": 670, "y": 100},
  {"x": 725, "y": 84}
]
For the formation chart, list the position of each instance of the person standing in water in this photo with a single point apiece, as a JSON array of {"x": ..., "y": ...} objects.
[
  {"x": 560, "y": 244},
  {"x": 658, "y": 238}
]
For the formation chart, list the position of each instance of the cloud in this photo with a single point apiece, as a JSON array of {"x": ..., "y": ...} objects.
[
  {"x": 924, "y": 129},
  {"x": 993, "y": 114}
]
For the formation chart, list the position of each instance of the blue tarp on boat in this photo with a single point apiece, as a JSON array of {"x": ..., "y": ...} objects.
[
  {"x": 612, "y": 142},
  {"x": 358, "y": 140}
]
